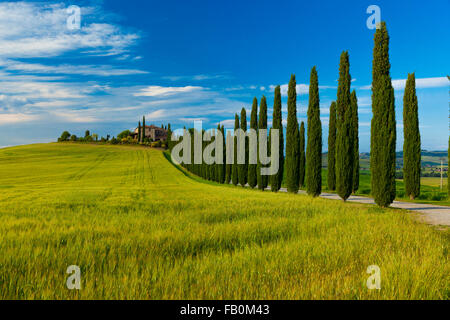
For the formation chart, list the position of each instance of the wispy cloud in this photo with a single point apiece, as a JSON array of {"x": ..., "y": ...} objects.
[
  {"x": 95, "y": 70},
  {"x": 158, "y": 91},
  {"x": 40, "y": 30},
  {"x": 399, "y": 84}
]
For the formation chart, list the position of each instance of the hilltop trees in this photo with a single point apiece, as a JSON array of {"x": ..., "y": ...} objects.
[
  {"x": 262, "y": 125},
  {"x": 292, "y": 145},
  {"x": 252, "y": 175},
  {"x": 139, "y": 132},
  {"x": 302, "y": 158},
  {"x": 331, "y": 178},
  {"x": 235, "y": 171},
  {"x": 64, "y": 136},
  {"x": 411, "y": 144},
  {"x": 277, "y": 123},
  {"x": 344, "y": 137},
  {"x": 383, "y": 125},
  {"x": 314, "y": 144}
]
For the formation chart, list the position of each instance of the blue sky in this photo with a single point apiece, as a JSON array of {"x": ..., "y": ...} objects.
[{"x": 180, "y": 61}]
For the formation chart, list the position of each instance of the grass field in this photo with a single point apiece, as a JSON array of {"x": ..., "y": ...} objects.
[{"x": 139, "y": 228}]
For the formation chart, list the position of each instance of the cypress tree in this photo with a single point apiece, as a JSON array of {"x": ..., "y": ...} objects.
[
  {"x": 228, "y": 166},
  {"x": 139, "y": 132},
  {"x": 169, "y": 138},
  {"x": 235, "y": 171},
  {"x": 302, "y": 159},
  {"x": 277, "y": 123},
  {"x": 243, "y": 168},
  {"x": 314, "y": 144},
  {"x": 411, "y": 144},
  {"x": 331, "y": 179},
  {"x": 252, "y": 177},
  {"x": 383, "y": 130},
  {"x": 344, "y": 138},
  {"x": 355, "y": 129},
  {"x": 292, "y": 145},
  {"x": 262, "y": 125},
  {"x": 221, "y": 166},
  {"x": 143, "y": 128}
]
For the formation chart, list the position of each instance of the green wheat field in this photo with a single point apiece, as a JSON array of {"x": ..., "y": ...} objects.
[{"x": 140, "y": 228}]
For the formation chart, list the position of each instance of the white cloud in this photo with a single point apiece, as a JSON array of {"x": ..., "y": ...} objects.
[
  {"x": 155, "y": 91},
  {"x": 40, "y": 30},
  {"x": 301, "y": 88},
  {"x": 10, "y": 118},
  {"x": 97, "y": 70},
  {"x": 399, "y": 84}
]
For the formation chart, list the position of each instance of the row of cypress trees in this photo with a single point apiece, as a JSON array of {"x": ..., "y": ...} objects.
[{"x": 303, "y": 169}]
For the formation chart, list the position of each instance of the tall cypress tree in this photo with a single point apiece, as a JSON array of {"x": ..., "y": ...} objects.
[
  {"x": 228, "y": 166},
  {"x": 262, "y": 125},
  {"x": 222, "y": 166},
  {"x": 314, "y": 136},
  {"x": 235, "y": 171},
  {"x": 355, "y": 130},
  {"x": 292, "y": 133},
  {"x": 383, "y": 131},
  {"x": 243, "y": 168},
  {"x": 344, "y": 137},
  {"x": 331, "y": 178},
  {"x": 139, "y": 132},
  {"x": 143, "y": 128},
  {"x": 252, "y": 177},
  {"x": 277, "y": 123},
  {"x": 411, "y": 144},
  {"x": 302, "y": 158},
  {"x": 169, "y": 138}
]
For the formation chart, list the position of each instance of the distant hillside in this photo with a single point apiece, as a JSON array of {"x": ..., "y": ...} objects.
[{"x": 429, "y": 159}]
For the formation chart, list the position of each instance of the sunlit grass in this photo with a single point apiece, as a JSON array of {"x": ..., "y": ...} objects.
[{"x": 140, "y": 228}]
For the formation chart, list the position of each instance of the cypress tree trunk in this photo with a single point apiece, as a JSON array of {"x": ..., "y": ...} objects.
[
  {"x": 262, "y": 125},
  {"x": 292, "y": 146},
  {"x": 411, "y": 144},
  {"x": 252, "y": 178},
  {"x": 344, "y": 138},
  {"x": 235, "y": 171},
  {"x": 355, "y": 128},
  {"x": 277, "y": 123},
  {"x": 331, "y": 179},
  {"x": 314, "y": 136},
  {"x": 302, "y": 158},
  {"x": 383, "y": 131},
  {"x": 243, "y": 168}
]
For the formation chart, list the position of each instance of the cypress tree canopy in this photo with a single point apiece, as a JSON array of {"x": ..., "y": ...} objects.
[
  {"x": 383, "y": 126},
  {"x": 344, "y": 137},
  {"x": 277, "y": 123},
  {"x": 331, "y": 178},
  {"x": 262, "y": 124},
  {"x": 292, "y": 145},
  {"x": 252, "y": 177},
  {"x": 411, "y": 144},
  {"x": 314, "y": 135}
]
